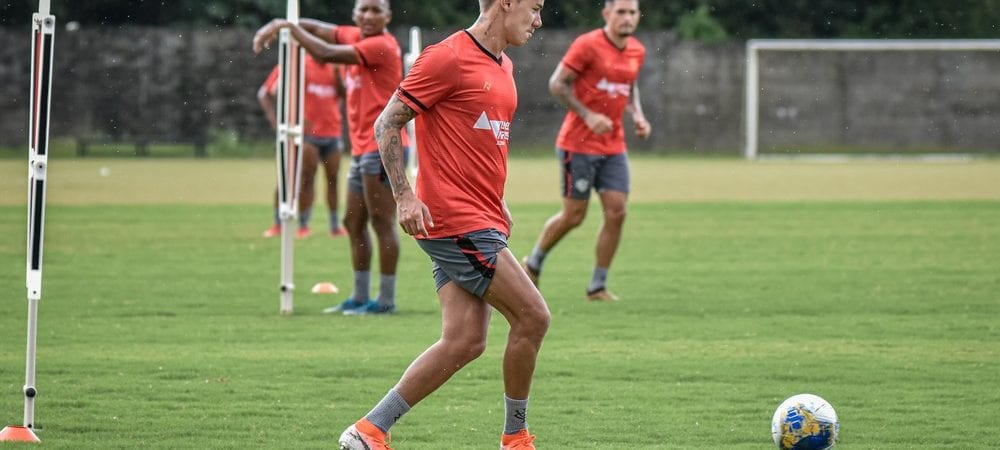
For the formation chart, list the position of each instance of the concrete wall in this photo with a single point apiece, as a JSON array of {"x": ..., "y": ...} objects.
[{"x": 139, "y": 81}]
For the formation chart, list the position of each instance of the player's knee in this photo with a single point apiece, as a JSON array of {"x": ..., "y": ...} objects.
[
  {"x": 535, "y": 323},
  {"x": 615, "y": 215},
  {"x": 574, "y": 217},
  {"x": 353, "y": 223},
  {"x": 467, "y": 348}
]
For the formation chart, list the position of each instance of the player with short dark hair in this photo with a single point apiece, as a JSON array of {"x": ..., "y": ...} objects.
[
  {"x": 596, "y": 81},
  {"x": 373, "y": 68},
  {"x": 463, "y": 96}
]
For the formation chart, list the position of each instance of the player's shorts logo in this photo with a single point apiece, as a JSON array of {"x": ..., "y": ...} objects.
[
  {"x": 582, "y": 184},
  {"x": 499, "y": 128}
]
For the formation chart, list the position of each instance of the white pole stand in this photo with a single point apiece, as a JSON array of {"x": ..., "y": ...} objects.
[
  {"x": 288, "y": 147},
  {"x": 43, "y": 27}
]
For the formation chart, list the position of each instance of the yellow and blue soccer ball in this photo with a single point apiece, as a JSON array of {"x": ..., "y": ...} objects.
[{"x": 805, "y": 422}]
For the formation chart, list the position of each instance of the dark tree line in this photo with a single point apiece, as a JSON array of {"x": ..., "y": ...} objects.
[{"x": 697, "y": 19}]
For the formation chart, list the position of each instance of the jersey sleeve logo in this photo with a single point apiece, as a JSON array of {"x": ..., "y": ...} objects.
[
  {"x": 499, "y": 128},
  {"x": 613, "y": 90}
]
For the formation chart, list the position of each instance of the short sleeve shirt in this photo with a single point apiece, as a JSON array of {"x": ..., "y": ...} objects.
[
  {"x": 322, "y": 103},
  {"x": 369, "y": 84},
  {"x": 605, "y": 76},
  {"x": 465, "y": 99}
]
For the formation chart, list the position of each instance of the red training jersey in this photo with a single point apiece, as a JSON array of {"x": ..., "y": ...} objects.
[
  {"x": 605, "y": 75},
  {"x": 322, "y": 103},
  {"x": 370, "y": 83},
  {"x": 465, "y": 99}
]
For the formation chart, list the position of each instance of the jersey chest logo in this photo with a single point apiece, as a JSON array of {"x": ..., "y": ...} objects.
[
  {"x": 351, "y": 81},
  {"x": 613, "y": 90},
  {"x": 321, "y": 90},
  {"x": 499, "y": 128}
]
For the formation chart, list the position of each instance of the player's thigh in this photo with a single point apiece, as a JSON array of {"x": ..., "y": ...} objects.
[
  {"x": 378, "y": 198},
  {"x": 463, "y": 316},
  {"x": 378, "y": 193},
  {"x": 612, "y": 174},
  {"x": 512, "y": 293},
  {"x": 356, "y": 211},
  {"x": 576, "y": 174},
  {"x": 310, "y": 161},
  {"x": 467, "y": 260},
  {"x": 331, "y": 150}
]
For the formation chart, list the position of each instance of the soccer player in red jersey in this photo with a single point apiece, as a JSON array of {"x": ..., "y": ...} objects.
[
  {"x": 373, "y": 68},
  {"x": 462, "y": 93},
  {"x": 596, "y": 81},
  {"x": 322, "y": 140}
]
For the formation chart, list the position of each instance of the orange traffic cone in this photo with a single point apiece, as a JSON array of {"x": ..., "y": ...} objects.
[
  {"x": 16, "y": 433},
  {"x": 325, "y": 288}
]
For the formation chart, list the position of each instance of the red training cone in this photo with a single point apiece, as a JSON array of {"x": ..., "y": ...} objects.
[{"x": 16, "y": 433}]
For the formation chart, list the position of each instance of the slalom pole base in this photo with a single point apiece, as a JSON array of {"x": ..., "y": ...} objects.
[{"x": 15, "y": 433}]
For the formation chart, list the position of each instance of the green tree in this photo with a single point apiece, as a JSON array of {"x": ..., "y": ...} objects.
[
  {"x": 741, "y": 19},
  {"x": 699, "y": 25}
]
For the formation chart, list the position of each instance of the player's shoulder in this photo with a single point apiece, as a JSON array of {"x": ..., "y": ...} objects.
[
  {"x": 635, "y": 43},
  {"x": 383, "y": 39},
  {"x": 347, "y": 34},
  {"x": 590, "y": 37},
  {"x": 448, "y": 48}
]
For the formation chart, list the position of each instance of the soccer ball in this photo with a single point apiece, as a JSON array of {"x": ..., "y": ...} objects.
[{"x": 805, "y": 422}]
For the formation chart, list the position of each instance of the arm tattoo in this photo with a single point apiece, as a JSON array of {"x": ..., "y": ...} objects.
[
  {"x": 564, "y": 93},
  {"x": 390, "y": 144}
]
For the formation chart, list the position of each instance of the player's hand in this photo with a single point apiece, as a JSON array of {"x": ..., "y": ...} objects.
[
  {"x": 413, "y": 214},
  {"x": 265, "y": 35},
  {"x": 597, "y": 122},
  {"x": 642, "y": 127}
]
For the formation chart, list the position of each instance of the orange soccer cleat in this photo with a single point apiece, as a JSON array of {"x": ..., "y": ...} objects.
[
  {"x": 601, "y": 295},
  {"x": 517, "y": 441},
  {"x": 364, "y": 436}
]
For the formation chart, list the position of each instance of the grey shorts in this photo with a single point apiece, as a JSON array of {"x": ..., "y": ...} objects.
[
  {"x": 369, "y": 164},
  {"x": 582, "y": 172},
  {"x": 327, "y": 145},
  {"x": 468, "y": 259}
]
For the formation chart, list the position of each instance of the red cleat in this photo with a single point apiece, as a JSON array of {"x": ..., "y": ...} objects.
[
  {"x": 517, "y": 441},
  {"x": 273, "y": 231}
]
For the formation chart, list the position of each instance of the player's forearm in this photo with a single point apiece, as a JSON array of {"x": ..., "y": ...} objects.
[
  {"x": 390, "y": 147},
  {"x": 563, "y": 92},
  {"x": 388, "y": 135},
  {"x": 634, "y": 107},
  {"x": 319, "y": 48},
  {"x": 318, "y": 28}
]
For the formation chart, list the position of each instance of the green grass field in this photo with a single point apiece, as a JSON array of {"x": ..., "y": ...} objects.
[{"x": 875, "y": 284}]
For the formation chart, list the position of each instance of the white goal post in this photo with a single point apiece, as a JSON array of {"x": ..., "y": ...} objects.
[{"x": 755, "y": 46}]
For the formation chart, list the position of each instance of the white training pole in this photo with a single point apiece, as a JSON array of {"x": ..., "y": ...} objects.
[
  {"x": 752, "y": 109},
  {"x": 408, "y": 60},
  {"x": 291, "y": 60},
  {"x": 43, "y": 27}
]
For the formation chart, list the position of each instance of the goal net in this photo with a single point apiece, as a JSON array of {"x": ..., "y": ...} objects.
[{"x": 871, "y": 96}]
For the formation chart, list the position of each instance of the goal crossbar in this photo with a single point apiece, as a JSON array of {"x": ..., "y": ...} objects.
[{"x": 755, "y": 46}]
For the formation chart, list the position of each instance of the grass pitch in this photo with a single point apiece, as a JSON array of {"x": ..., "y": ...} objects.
[{"x": 875, "y": 285}]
